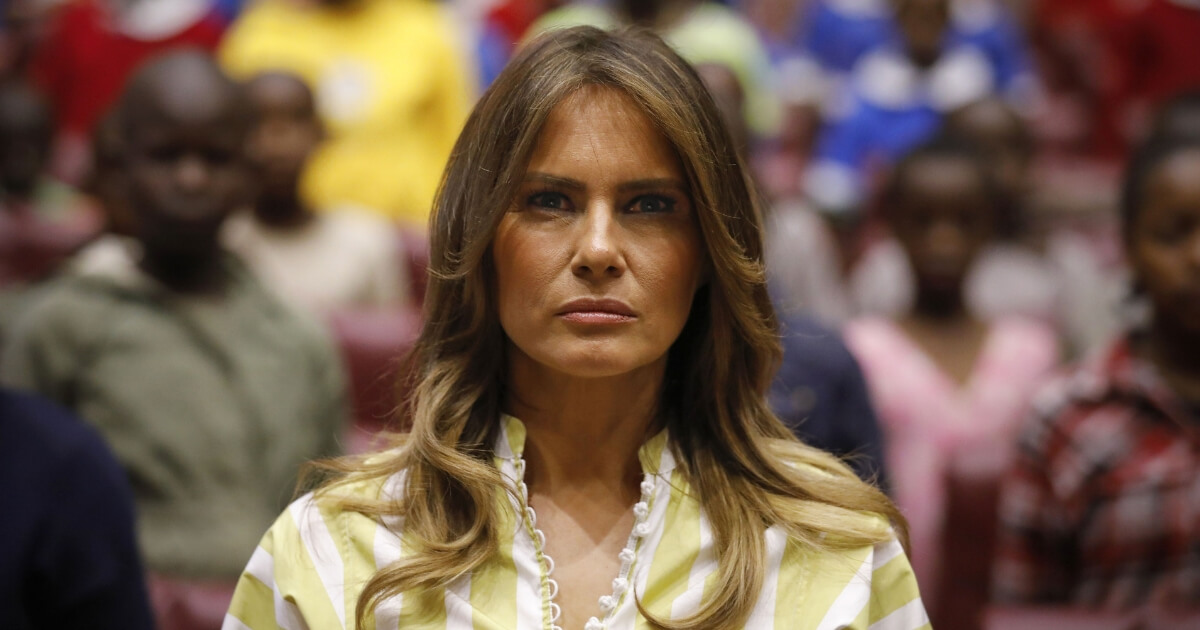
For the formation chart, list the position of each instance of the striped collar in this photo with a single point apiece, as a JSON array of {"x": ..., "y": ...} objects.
[{"x": 655, "y": 456}]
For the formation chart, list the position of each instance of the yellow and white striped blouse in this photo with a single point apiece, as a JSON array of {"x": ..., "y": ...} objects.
[{"x": 312, "y": 564}]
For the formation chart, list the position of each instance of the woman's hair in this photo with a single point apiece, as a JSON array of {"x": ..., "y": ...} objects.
[
  {"x": 1141, "y": 168},
  {"x": 746, "y": 468}
]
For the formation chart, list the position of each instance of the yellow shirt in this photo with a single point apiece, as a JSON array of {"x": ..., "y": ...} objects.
[
  {"x": 311, "y": 566},
  {"x": 391, "y": 84}
]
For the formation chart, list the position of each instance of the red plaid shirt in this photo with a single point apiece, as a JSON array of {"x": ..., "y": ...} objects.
[{"x": 1102, "y": 507}]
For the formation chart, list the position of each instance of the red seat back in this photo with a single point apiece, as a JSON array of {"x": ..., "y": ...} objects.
[
  {"x": 375, "y": 346},
  {"x": 414, "y": 248},
  {"x": 968, "y": 539},
  {"x": 1059, "y": 618}
]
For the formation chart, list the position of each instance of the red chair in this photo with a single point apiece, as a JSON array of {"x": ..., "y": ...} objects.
[
  {"x": 375, "y": 346},
  {"x": 1173, "y": 619},
  {"x": 968, "y": 540},
  {"x": 1061, "y": 618},
  {"x": 188, "y": 604}
]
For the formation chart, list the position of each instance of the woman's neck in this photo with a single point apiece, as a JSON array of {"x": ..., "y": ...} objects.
[{"x": 583, "y": 432}]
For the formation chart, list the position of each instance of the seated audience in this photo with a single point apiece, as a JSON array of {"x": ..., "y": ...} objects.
[
  {"x": 68, "y": 556},
  {"x": 702, "y": 32},
  {"x": 1100, "y": 507},
  {"x": 392, "y": 86},
  {"x": 318, "y": 261},
  {"x": 88, "y": 52},
  {"x": 42, "y": 220},
  {"x": 1179, "y": 116},
  {"x": 945, "y": 382},
  {"x": 210, "y": 391},
  {"x": 894, "y": 100},
  {"x": 820, "y": 394},
  {"x": 22, "y": 26}
]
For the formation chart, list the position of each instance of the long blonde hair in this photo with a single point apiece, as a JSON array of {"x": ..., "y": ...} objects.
[{"x": 746, "y": 468}]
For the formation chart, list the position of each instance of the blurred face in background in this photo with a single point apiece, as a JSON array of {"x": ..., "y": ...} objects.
[
  {"x": 286, "y": 132},
  {"x": 600, "y": 256},
  {"x": 942, "y": 217},
  {"x": 184, "y": 140},
  {"x": 1003, "y": 137},
  {"x": 1164, "y": 241},
  {"x": 25, "y": 134},
  {"x": 923, "y": 25}
]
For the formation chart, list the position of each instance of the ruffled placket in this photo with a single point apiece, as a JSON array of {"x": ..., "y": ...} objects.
[{"x": 622, "y": 584}]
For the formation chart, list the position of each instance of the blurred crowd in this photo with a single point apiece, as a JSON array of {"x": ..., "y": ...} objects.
[{"x": 983, "y": 240}]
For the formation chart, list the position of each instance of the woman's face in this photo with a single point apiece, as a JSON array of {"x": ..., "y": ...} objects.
[
  {"x": 600, "y": 255},
  {"x": 1164, "y": 244}
]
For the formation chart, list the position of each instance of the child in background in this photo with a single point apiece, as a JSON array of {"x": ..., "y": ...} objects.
[
  {"x": 90, "y": 49},
  {"x": 1038, "y": 267},
  {"x": 894, "y": 100},
  {"x": 1179, "y": 116},
  {"x": 319, "y": 261},
  {"x": 392, "y": 85},
  {"x": 1100, "y": 508},
  {"x": 945, "y": 383},
  {"x": 42, "y": 221},
  {"x": 210, "y": 391}
]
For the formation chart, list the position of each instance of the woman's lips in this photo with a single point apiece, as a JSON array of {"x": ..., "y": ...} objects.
[
  {"x": 596, "y": 317},
  {"x": 597, "y": 311}
]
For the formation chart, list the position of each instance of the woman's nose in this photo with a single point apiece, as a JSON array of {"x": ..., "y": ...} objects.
[{"x": 598, "y": 251}]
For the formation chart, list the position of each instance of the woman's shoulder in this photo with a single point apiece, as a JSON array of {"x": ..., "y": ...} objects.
[
  {"x": 856, "y": 586},
  {"x": 333, "y": 518},
  {"x": 317, "y": 547}
]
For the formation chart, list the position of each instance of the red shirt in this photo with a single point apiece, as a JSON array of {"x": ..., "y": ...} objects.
[
  {"x": 1163, "y": 49},
  {"x": 1103, "y": 505},
  {"x": 83, "y": 63}
]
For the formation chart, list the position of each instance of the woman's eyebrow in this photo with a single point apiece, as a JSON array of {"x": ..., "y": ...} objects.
[
  {"x": 653, "y": 184},
  {"x": 636, "y": 185},
  {"x": 555, "y": 180}
]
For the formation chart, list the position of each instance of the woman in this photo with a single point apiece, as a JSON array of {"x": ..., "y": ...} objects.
[{"x": 596, "y": 273}]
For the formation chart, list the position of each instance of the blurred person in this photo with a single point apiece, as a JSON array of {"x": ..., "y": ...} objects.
[
  {"x": 1097, "y": 55},
  {"x": 42, "y": 221},
  {"x": 894, "y": 100},
  {"x": 22, "y": 27},
  {"x": 68, "y": 554},
  {"x": 703, "y": 32},
  {"x": 837, "y": 34},
  {"x": 210, "y": 391},
  {"x": 90, "y": 49},
  {"x": 1179, "y": 117},
  {"x": 501, "y": 28},
  {"x": 820, "y": 393},
  {"x": 591, "y": 402},
  {"x": 392, "y": 87},
  {"x": 1035, "y": 267},
  {"x": 1099, "y": 509},
  {"x": 319, "y": 261},
  {"x": 1162, "y": 35},
  {"x": 945, "y": 382}
]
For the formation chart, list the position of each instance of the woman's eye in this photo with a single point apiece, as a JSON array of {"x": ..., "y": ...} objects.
[
  {"x": 548, "y": 201},
  {"x": 652, "y": 203}
]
